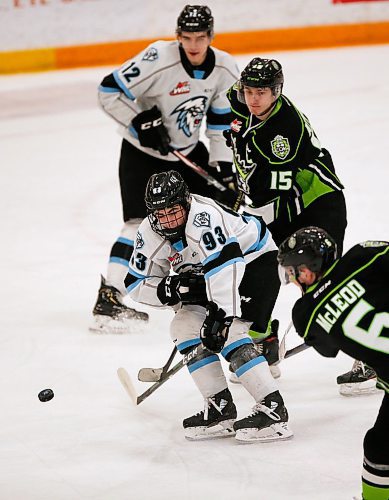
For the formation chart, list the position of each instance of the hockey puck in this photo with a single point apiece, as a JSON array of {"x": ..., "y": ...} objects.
[{"x": 46, "y": 395}]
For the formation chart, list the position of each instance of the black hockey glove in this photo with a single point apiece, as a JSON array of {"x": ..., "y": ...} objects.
[
  {"x": 214, "y": 331},
  {"x": 227, "y": 137},
  {"x": 167, "y": 290},
  {"x": 188, "y": 288},
  {"x": 151, "y": 131},
  {"x": 226, "y": 174},
  {"x": 192, "y": 289}
]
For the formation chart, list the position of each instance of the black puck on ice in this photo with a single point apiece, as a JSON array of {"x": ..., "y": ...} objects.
[{"x": 46, "y": 395}]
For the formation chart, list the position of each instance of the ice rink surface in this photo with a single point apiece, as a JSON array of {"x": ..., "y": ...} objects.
[{"x": 60, "y": 214}]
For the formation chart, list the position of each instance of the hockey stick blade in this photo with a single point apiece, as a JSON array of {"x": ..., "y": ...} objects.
[
  {"x": 125, "y": 378},
  {"x": 296, "y": 350},
  {"x": 126, "y": 381},
  {"x": 155, "y": 374}
]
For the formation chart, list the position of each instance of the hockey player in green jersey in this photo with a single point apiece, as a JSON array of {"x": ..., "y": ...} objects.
[
  {"x": 345, "y": 306},
  {"x": 280, "y": 163},
  {"x": 282, "y": 167}
]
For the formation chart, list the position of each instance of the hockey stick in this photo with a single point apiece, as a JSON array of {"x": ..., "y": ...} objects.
[
  {"x": 126, "y": 381},
  {"x": 199, "y": 170},
  {"x": 155, "y": 374},
  {"x": 208, "y": 177}
]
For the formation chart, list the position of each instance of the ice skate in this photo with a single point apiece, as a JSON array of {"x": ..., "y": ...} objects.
[
  {"x": 215, "y": 421},
  {"x": 359, "y": 381},
  {"x": 268, "y": 422},
  {"x": 111, "y": 315}
]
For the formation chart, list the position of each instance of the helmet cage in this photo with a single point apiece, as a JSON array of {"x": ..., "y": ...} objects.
[
  {"x": 165, "y": 190},
  {"x": 195, "y": 18}
]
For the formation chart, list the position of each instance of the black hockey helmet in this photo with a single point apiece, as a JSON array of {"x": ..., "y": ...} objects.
[
  {"x": 310, "y": 246},
  {"x": 165, "y": 190},
  {"x": 195, "y": 18},
  {"x": 261, "y": 73}
]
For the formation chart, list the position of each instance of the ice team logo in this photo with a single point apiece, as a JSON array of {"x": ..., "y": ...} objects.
[
  {"x": 190, "y": 114},
  {"x": 202, "y": 219},
  {"x": 150, "y": 55},
  {"x": 180, "y": 88},
  {"x": 236, "y": 125},
  {"x": 280, "y": 147},
  {"x": 139, "y": 241}
]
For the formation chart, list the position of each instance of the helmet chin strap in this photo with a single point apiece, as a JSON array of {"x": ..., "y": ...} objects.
[{"x": 270, "y": 108}]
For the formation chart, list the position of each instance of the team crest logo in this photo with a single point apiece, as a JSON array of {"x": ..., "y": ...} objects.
[
  {"x": 190, "y": 114},
  {"x": 150, "y": 55},
  {"x": 280, "y": 147},
  {"x": 139, "y": 241},
  {"x": 236, "y": 125},
  {"x": 202, "y": 219},
  {"x": 180, "y": 88}
]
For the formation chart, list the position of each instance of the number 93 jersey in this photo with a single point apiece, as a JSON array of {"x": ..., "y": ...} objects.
[
  {"x": 217, "y": 243},
  {"x": 348, "y": 309}
]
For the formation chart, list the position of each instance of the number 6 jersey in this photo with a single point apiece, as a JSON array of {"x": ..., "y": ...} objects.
[
  {"x": 217, "y": 242},
  {"x": 348, "y": 309}
]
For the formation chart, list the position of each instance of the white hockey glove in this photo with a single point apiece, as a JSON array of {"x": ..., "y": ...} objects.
[
  {"x": 216, "y": 326},
  {"x": 151, "y": 131}
]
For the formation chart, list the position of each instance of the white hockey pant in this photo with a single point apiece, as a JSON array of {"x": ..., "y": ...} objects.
[{"x": 206, "y": 370}]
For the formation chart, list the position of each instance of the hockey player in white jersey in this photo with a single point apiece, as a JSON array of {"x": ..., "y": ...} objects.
[
  {"x": 160, "y": 98},
  {"x": 218, "y": 269}
]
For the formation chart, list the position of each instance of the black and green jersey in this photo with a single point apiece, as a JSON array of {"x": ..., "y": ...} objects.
[
  {"x": 279, "y": 159},
  {"x": 348, "y": 309}
]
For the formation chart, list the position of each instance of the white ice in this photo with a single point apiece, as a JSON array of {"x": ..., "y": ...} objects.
[{"x": 60, "y": 213}]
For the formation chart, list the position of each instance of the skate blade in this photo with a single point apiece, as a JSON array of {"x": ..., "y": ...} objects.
[
  {"x": 359, "y": 389},
  {"x": 275, "y": 432},
  {"x": 108, "y": 325},
  {"x": 221, "y": 430}
]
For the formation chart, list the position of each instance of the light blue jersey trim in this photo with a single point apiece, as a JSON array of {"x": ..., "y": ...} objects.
[
  {"x": 134, "y": 285},
  {"x": 108, "y": 90},
  {"x": 203, "y": 362},
  {"x": 250, "y": 364},
  {"x": 260, "y": 243},
  {"x": 198, "y": 74},
  {"x": 122, "y": 86},
  {"x": 178, "y": 245},
  {"x": 125, "y": 241},
  {"x": 220, "y": 111},
  {"x": 219, "y": 268},
  {"x": 218, "y": 127},
  {"x": 133, "y": 132},
  {"x": 215, "y": 255}
]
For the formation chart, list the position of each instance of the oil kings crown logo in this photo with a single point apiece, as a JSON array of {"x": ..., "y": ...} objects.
[
  {"x": 280, "y": 147},
  {"x": 190, "y": 114}
]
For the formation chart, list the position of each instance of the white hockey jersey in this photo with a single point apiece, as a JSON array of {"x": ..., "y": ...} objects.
[
  {"x": 158, "y": 77},
  {"x": 218, "y": 242}
]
